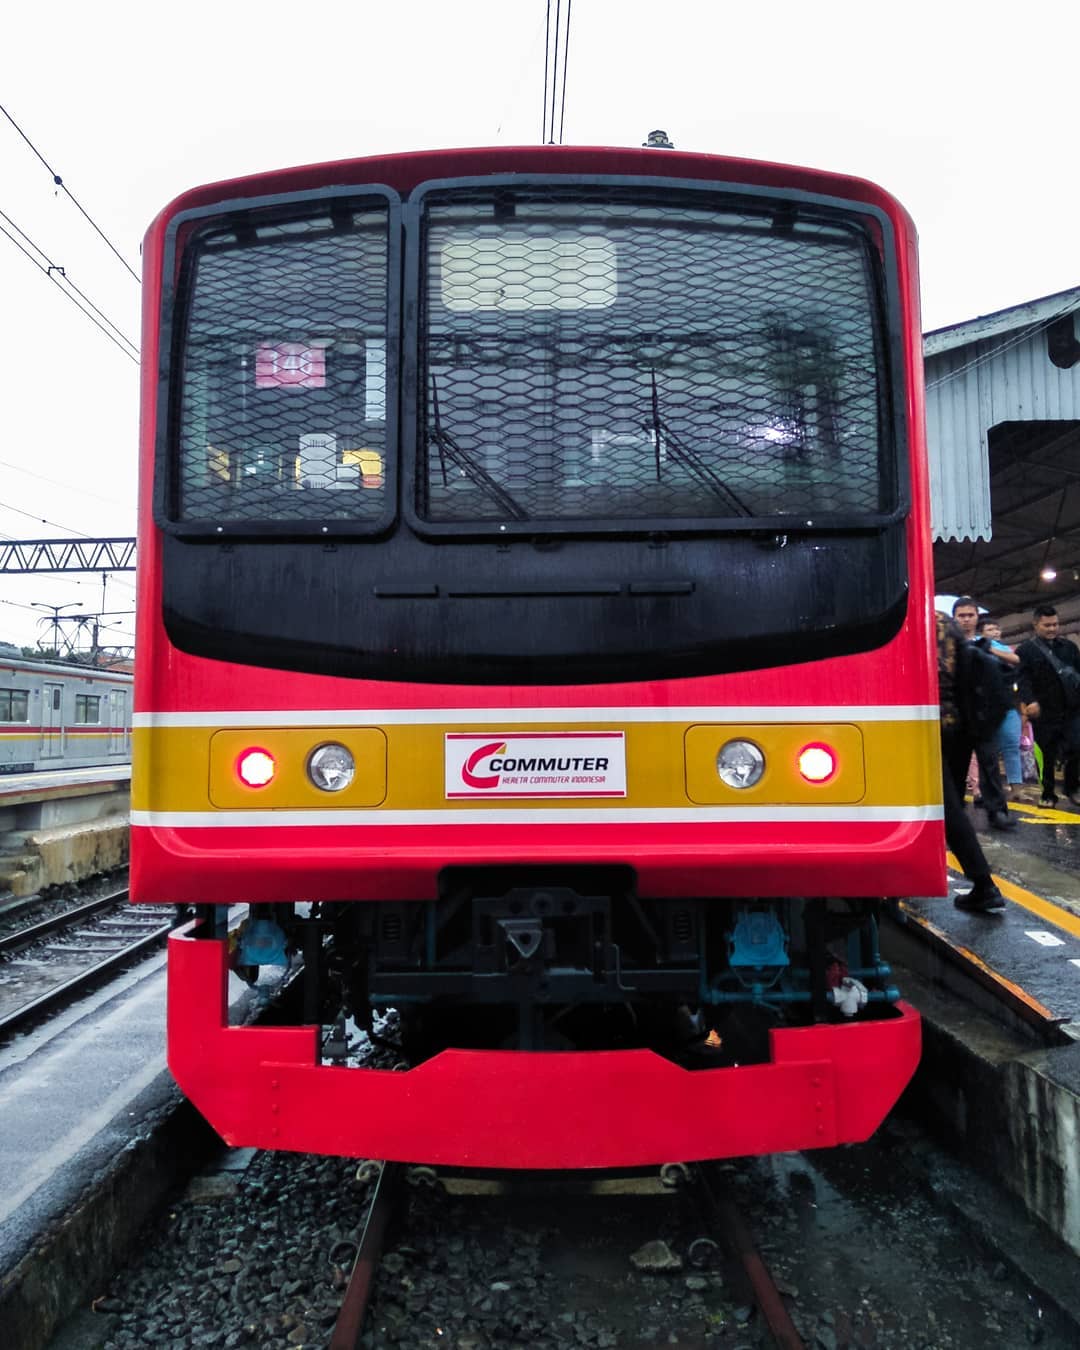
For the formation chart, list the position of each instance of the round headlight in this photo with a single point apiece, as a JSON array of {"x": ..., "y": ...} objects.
[
  {"x": 331, "y": 767},
  {"x": 740, "y": 764}
]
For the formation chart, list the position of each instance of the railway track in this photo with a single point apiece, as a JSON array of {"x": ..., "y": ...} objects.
[
  {"x": 724, "y": 1239},
  {"x": 47, "y": 965},
  {"x": 862, "y": 1256}
]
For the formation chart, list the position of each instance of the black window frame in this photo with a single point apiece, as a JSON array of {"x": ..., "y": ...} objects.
[
  {"x": 876, "y": 226},
  {"x": 173, "y": 318},
  {"x": 82, "y": 703}
]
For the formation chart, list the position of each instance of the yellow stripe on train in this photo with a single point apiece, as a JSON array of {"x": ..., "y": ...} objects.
[{"x": 402, "y": 767}]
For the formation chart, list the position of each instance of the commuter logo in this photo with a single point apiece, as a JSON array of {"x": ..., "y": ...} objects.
[{"x": 535, "y": 764}]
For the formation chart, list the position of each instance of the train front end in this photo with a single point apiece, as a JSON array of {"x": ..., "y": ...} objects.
[{"x": 534, "y": 635}]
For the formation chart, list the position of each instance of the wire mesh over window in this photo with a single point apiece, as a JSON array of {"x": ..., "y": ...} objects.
[
  {"x": 587, "y": 357},
  {"x": 283, "y": 389}
]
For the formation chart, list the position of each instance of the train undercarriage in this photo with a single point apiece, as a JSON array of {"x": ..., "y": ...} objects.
[
  {"x": 573, "y": 959},
  {"x": 544, "y": 1018}
]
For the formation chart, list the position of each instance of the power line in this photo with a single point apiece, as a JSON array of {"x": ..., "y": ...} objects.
[
  {"x": 54, "y": 523},
  {"x": 68, "y": 193},
  {"x": 556, "y": 37},
  {"x": 84, "y": 492},
  {"x": 565, "y": 63},
  {"x": 59, "y": 278}
]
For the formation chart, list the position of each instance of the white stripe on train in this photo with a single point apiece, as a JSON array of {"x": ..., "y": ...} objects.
[
  {"x": 573, "y": 815},
  {"x": 278, "y": 717}
]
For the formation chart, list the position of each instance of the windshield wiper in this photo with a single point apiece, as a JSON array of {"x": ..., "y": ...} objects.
[
  {"x": 453, "y": 453},
  {"x": 690, "y": 460}
]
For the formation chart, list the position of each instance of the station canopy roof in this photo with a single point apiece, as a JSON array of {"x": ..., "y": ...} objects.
[{"x": 1020, "y": 368}]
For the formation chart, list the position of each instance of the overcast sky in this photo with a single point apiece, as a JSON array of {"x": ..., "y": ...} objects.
[{"x": 966, "y": 112}]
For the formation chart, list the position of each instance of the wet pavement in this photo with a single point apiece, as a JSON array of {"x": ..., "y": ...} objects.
[
  {"x": 1035, "y": 941},
  {"x": 1042, "y": 853}
]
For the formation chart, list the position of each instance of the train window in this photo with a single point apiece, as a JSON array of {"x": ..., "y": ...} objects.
[
  {"x": 14, "y": 705},
  {"x": 518, "y": 271},
  {"x": 591, "y": 355},
  {"x": 281, "y": 415},
  {"x": 87, "y": 709}
]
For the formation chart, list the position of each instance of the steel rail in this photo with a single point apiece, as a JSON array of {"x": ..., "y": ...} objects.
[
  {"x": 25, "y": 936},
  {"x": 350, "y": 1323},
  {"x": 735, "y": 1236},
  {"x": 80, "y": 983}
]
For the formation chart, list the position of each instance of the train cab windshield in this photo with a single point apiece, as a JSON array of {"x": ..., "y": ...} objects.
[
  {"x": 584, "y": 356},
  {"x": 644, "y": 407},
  {"x": 592, "y": 356}
]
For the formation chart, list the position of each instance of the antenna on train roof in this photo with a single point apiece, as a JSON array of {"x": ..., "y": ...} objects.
[{"x": 658, "y": 140}]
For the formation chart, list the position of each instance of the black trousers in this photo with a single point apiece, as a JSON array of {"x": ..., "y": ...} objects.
[
  {"x": 1059, "y": 738},
  {"x": 959, "y": 832},
  {"x": 990, "y": 785}
]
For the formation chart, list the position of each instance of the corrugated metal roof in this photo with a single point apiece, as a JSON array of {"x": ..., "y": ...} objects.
[
  {"x": 995, "y": 369},
  {"x": 1031, "y": 314}
]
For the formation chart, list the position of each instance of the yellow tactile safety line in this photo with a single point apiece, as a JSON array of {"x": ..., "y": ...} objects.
[{"x": 1045, "y": 909}]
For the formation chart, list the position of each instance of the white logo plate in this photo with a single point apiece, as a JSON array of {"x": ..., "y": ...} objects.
[{"x": 535, "y": 764}]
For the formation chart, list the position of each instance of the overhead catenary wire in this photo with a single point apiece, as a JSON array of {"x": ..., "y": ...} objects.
[
  {"x": 556, "y": 54},
  {"x": 70, "y": 195},
  {"x": 41, "y": 519},
  {"x": 57, "y": 275},
  {"x": 70, "y": 290},
  {"x": 56, "y": 482},
  {"x": 565, "y": 63}
]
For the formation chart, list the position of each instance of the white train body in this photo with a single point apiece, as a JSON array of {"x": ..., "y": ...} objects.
[{"x": 59, "y": 716}]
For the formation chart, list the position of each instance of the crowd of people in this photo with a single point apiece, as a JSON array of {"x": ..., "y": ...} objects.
[{"x": 993, "y": 701}]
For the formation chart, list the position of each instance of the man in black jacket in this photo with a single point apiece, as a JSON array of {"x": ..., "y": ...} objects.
[
  {"x": 957, "y": 741},
  {"x": 991, "y": 793},
  {"x": 1054, "y": 712}
]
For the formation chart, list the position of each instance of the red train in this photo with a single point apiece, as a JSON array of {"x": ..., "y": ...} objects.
[{"x": 534, "y": 632}]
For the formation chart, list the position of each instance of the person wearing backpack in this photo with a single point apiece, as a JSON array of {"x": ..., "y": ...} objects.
[
  {"x": 987, "y": 702},
  {"x": 1049, "y": 680}
]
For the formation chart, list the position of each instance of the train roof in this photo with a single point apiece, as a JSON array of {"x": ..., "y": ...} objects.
[{"x": 70, "y": 668}]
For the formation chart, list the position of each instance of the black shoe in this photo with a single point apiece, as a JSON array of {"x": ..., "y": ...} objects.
[
  {"x": 984, "y": 897},
  {"x": 1048, "y": 801},
  {"x": 1001, "y": 820}
]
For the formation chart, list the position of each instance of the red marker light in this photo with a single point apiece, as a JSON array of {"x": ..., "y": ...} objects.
[
  {"x": 817, "y": 763},
  {"x": 255, "y": 768}
]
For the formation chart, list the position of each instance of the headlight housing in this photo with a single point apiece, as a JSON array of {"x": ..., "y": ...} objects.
[
  {"x": 740, "y": 764},
  {"x": 331, "y": 767}
]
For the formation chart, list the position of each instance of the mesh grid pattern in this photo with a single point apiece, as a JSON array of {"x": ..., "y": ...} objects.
[
  {"x": 591, "y": 358},
  {"x": 284, "y": 381}
]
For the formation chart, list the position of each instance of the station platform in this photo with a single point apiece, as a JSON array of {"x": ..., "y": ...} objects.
[
  {"x": 62, "y": 825},
  {"x": 1032, "y": 947},
  {"x": 999, "y": 995},
  {"x": 16, "y": 788},
  {"x": 95, "y": 1135}
]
